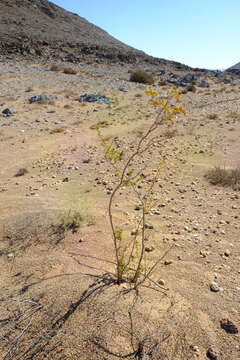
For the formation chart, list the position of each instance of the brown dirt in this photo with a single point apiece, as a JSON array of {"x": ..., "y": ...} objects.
[{"x": 58, "y": 299}]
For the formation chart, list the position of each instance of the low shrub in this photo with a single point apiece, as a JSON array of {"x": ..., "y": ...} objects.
[
  {"x": 71, "y": 221},
  {"x": 55, "y": 68},
  {"x": 212, "y": 116},
  {"x": 142, "y": 77},
  {"x": 225, "y": 177},
  {"x": 69, "y": 71}
]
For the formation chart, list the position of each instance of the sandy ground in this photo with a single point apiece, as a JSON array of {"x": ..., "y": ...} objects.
[{"x": 57, "y": 298}]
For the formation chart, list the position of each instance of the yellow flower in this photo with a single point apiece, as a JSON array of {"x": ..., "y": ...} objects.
[
  {"x": 157, "y": 102},
  {"x": 175, "y": 91},
  {"x": 152, "y": 93},
  {"x": 179, "y": 109}
]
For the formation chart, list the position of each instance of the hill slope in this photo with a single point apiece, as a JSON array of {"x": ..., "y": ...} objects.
[
  {"x": 40, "y": 28},
  {"x": 234, "y": 67}
]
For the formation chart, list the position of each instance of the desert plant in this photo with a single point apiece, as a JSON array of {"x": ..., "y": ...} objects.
[
  {"x": 71, "y": 221},
  {"x": 130, "y": 255},
  {"x": 222, "y": 176},
  {"x": 57, "y": 130},
  {"x": 212, "y": 116},
  {"x": 69, "y": 71},
  {"x": 142, "y": 77},
  {"x": 55, "y": 68}
]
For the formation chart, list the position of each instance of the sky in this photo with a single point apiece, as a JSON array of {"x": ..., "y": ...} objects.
[{"x": 198, "y": 33}]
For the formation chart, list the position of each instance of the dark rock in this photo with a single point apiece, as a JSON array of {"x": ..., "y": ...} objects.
[
  {"x": 122, "y": 89},
  {"x": 204, "y": 84},
  {"x": 161, "y": 72},
  {"x": 229, "y": 326},
  {"x": 191, "y": 88},
  {"x": 45, "y": 99},
  {"x": 211, "y": 354},
  {"x": 8, "y": 112},
  {"x": 189, "y": 78},
  {"x": 95, "y": 98}
]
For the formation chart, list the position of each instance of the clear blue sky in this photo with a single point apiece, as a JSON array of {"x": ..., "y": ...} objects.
[{"x": 199, "y": 33}]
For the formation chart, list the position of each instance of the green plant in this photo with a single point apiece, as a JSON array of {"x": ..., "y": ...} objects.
[
  {"x": 71, "y": 221},
  {"x": 130, "y": 254},
  {"x": 142, "y": 77}
]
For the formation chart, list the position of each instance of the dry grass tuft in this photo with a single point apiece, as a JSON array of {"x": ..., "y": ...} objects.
[
  {"x": 57, "y": 130},
  {"x": 55, "y": 68},
  {"x": 212, "y": 116},
  {"x": 224, "y": 177},
  {"x": 69, "y": 71},
  {"x": 170, "y": 133}
]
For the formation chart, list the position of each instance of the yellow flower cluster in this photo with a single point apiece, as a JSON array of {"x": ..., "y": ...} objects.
[{"x": 152, "y": 93}]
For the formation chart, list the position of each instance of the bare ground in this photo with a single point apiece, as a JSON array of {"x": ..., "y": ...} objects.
[{"x": 58, "y": 298}]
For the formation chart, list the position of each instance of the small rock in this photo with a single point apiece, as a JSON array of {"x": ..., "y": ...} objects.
[
  {"x": 149, "y": 249},
  {"x": 95, "y": 98},
  {"x": 214, "y": 287},
  {"x": 161, "y": 282},
  {"x": 45, "y": 99},
  {"x": 211, "y": 354},
  {"x": 168, "y": 262},
  {"x": 194, "y": 348},
  {"x": 227, "y": 252},
  {"x": 66, "y": 179},
  {"x": 86, "y": 161},
  {"x": 8, "y": 112},
  {"x": 229, "y": 326},
  {"x": 122, "y": 89}
]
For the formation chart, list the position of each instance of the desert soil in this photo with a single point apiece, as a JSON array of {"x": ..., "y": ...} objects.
[{"x": 57, "y": 297}]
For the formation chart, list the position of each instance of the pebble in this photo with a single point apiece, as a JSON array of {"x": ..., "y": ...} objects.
[
  {"x": 228, "y": 326},
  {"x": 211, "y": 354},
  {"x": 227, "y": 252},
  {"x": 168, "y": 262},
  {"x": 214, "y": 287}
]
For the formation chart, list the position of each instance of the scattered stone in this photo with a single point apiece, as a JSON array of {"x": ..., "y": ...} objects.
[
  {"x": 149, "y": 248},
  {"x": 148, "y": 226},
  {"x": 95, "y": 98},
  {"x": 204, "y": 84},
  {"x": 211, "y": 354},
  {"x": 161, "y": 282},
  {"x": 214, "y": 287},
  {"x": 8, "y": 112},
  {"x": 45, "y": 99},
  {"x": 227, "y": 252},
  {"x": 122, "y": 89},
  {"x": 194, "y": 348},
  {"x": 21, "y": 172},
  {"x": 229, "y": 326},
  {"x": 66, "y": 179},
  {"x": 168, "y": 262}
]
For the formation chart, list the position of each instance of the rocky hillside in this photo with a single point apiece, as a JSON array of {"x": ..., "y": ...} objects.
[
  {"x": 40, "y": 28},
  {"x": 235, "y": 69}
]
